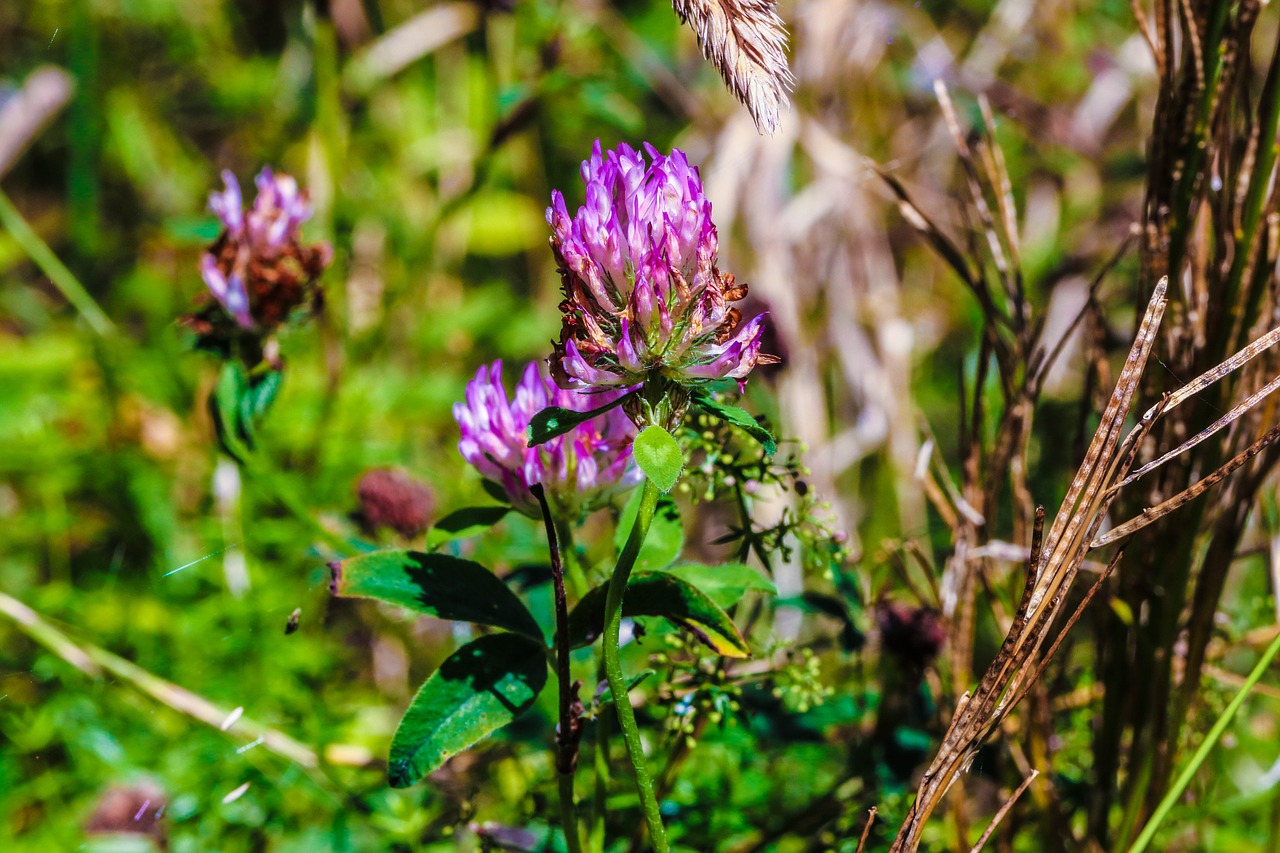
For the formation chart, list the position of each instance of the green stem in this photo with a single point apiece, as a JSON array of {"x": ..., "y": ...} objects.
[
  {"x": 61, "y": 277},
  {"x": 573, "y": 572},
  {"x": 613, "y": 669},
  {"x": 600, "y": 758},
  {"x": 1206, "y": 746},
  {"x": 569, "y": 814}
]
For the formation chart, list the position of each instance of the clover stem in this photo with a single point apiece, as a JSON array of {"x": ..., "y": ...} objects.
[
  {"x": 574, "y": 577},
  {"x": 613, "y": 669},
  {"x": 569, "y": 730},
  {"x": 600, "y": 757}
]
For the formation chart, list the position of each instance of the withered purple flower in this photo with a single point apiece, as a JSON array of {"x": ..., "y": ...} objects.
[
  {"x": 391, "y": 498},
  {"x": 644, "y": 298},
  {"x": 258, "y": 269},
  {"x": 579, "y": 470}
]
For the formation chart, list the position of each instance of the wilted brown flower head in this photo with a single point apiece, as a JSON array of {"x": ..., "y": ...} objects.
[
  {"x": 390, "y": 498},
  {"x": 258, "y": 270},
  {"x": 913, "y": 634},
  {"x": 130, "y": 809}
]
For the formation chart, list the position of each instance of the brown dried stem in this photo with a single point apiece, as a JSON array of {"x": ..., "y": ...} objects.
[{"x": 980, "y": 713}]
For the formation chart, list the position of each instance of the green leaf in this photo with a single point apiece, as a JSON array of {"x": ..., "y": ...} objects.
[
  {"x": 495, "y": 491},
  {"x": 239, "y": 403},
  {"x": 740, "y": 418},
  {"x": 554, "y": 421},
  {"x": 435, "y": 584},
  {"x": 224, "y": 407},
  {"x": 477, "y": 690},
  {"x": 465, "y": 522},
  {"x": 661, "y": 594},
  {"x": 659, "y": 456},
  {"x": 725, "y": 584},
  {"x": 256, "y": 400},
  {"x": 666, "y": 534}
]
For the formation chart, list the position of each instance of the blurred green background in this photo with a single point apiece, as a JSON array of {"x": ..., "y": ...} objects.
[{"x": 430, "y": 137}]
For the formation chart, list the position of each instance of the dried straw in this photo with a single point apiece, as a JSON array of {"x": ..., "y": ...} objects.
[{"x": 746, "y": 41}]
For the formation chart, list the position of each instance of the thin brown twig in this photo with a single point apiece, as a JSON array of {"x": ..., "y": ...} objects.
[
  {"x": 866, "y": 830},
  {"x": 1193, "y": 40},
  {"x": 1144, "y": 27},
  {"x": 994, "y": 244},
  {"x": 1221, "y": 423},
  {"x": 1071, "y": 623},
  {"x": 1160, "y": 510},
  {"x": 1004, "y": 810}
]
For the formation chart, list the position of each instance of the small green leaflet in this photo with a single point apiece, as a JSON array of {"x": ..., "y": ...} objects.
[
  {"x": 239, "y": 403},
  {"x": 465, "y": 522},
  {"x": 555, "y": 421},
  {"x": 659, "y": 456}
]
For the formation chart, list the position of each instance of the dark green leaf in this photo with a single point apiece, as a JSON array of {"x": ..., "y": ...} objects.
[
  {"x": 495, "y": 491},
  {"x": 260, "y": 394},
  {"x": 672, "y": 598},
  {"x": 666, "y": 534},
  {"x": 224, "y": 407},
  {"x": 725, "y": 584},
  {"x": 465, "y": 522},
  {"x": 659, "y": 456},
  {"x": 740, "y": 418},
  {"x": 480, "y": 688},
  {"x": 435, "y": 584},
  {"x": 554, "y": 421},
  {"x": 239, "y": 403}
]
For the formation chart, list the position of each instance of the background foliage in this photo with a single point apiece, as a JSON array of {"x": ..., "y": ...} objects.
[{"x": 430, "y": 137}]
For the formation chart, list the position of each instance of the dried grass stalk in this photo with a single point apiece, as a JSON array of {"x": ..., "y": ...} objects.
[
  {"x": 1004, "y": 810},
  {"x": 1055, "y": 560},
  {"x": 746, "y": 41},
  {"x": 1056, "y": 557}
]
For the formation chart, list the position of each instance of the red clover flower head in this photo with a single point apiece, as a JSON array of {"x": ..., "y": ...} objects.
[
  {"x": 579, "y": 470},
  {"x": 258, "y": 269},
  {"x": 643, "y": 294}
]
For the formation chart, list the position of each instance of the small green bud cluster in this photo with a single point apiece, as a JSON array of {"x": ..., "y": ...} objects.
[{"x": 799, "y": 684}]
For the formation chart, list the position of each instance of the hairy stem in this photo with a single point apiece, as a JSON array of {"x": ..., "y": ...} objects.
[
  {"x": 613, "y": 669},
  {"x": 600, "y": 757},
  {"x": 574, "y": 576},
  {"x": 568, "y": 732}
]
